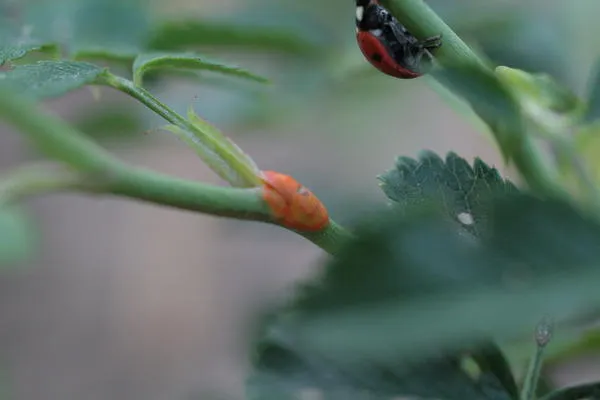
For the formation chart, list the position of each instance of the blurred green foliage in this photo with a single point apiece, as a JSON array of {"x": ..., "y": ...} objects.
[
  {"x": 462, "y": 257},
  {"x": 459, "y": 260},
  {"x": 286, "y": 370}
]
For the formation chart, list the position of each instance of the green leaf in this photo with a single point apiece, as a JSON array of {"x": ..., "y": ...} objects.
[
  {"x": 461, "y": 190},
  {"x": 18, "y": 49},
  {"x": 283, "y": 369},
  {"x": 17, "y": 237},
  {"x": 186, "y": 34},
  {"x": 220, "y": 153},
  {"x": 581, "y": 392},
  {"x": 415, "y": 283},
  {"x": 46, "y": 79},
  {"x": 492, "y": 361},
  {"x": 165, "y": 61}
]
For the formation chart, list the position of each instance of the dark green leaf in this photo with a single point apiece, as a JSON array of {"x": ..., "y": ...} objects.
[
  {"x": 492, "y": 362},
  {"x": 491, "y": 100},
  {"x": 46, "y": 79},
  {"x": 588, "y": 391},
  {"x": 186, "y": 34},
  {"x": 17, "y": 237},
  {"x": 463, "y": 191},
  {"x": 165, "y": 61},
  {"x": 415, "y": 283},
  {"x": 593, "y": 100},
  {"x": 545, "y": 383},
  {"x": 283, "y": 369}
]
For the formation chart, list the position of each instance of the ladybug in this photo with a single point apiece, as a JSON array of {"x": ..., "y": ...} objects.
[
  {"x": 388, "y": 46},
  {"x": 292, "y": 204}
]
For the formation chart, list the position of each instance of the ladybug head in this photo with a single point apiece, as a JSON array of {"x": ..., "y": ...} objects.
[
  {"x": 364, "y": 3},
  {"x": 361, "y": 8},
  {"x": 371, "y": 15}
]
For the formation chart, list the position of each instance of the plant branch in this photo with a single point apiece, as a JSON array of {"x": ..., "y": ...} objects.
[
  {"x": 139, "y": 184},
  {"x": 533, "y": 375},
  {"x": 246, "y": 204},
  {"x": 218, "y": 152},
  {"x": 423, "y": 22},
  {"x": 91, "y": 169}
]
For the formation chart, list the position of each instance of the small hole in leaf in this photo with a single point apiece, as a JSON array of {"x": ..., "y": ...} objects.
[{"x": 465, "y": 218}]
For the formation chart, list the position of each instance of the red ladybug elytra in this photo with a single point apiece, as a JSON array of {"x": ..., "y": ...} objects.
[{"x": 388, "y": 46}]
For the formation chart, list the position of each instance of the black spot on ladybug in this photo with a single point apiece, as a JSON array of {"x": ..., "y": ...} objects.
[{"x": 376, "y": 57}]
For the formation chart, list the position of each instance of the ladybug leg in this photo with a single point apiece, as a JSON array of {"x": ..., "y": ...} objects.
[
  {"x": 421, "y": 58},
  {"x": 422, "y": 52},
  {"x": 432, "y": 42}
]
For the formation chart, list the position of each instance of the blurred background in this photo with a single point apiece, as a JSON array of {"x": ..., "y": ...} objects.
[{"x": 125, "y": 300}]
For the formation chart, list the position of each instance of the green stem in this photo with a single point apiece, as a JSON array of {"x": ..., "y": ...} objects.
[
  {"x": 533, "y": 375},
  {"x": 535, "y": 171},
  {"x": 149, "y": 186},
  {"x": 565, "y": 149},
  {"x": 543, "y": 334},
  {"x": 144, "y": 97},
  {"x": 246, "y": 204},
  {"x": 213, "y": 147},
  {"x": 329, "y": 239},
  {"x": 423, "y": 22},
  {"x": 140, "y": 184},
  {"x": 96, "y": 171}
]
